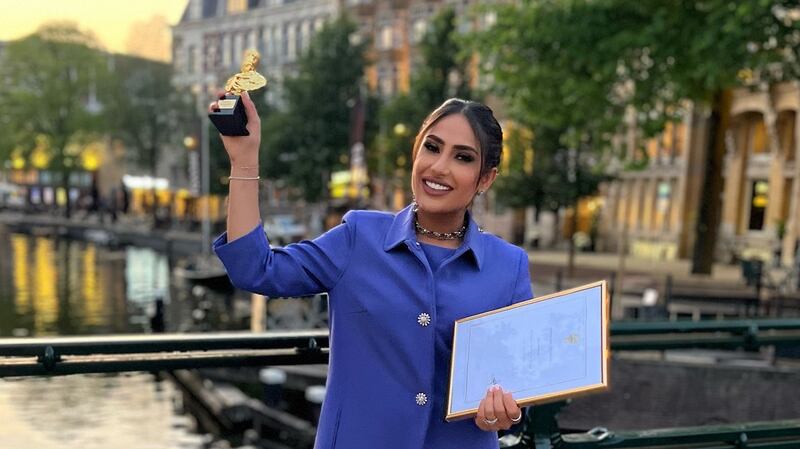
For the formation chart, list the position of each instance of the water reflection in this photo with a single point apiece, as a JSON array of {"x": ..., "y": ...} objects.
[
  {"x": 61, "y": 287},
  {"x": 120, "y": 411}
]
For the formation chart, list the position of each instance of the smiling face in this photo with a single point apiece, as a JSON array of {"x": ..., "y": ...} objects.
[{"x": 447, "y": 165}]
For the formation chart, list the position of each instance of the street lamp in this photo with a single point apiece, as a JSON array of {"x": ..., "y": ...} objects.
[
  {"x": 400, "y": 130},
  {"x": 201, "y": 91}
]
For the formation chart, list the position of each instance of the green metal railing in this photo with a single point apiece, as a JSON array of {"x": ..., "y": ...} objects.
[
  {"x": 762, "y": 435},
  {"x": 724, "y": 334},
  {"x": 102, "y": 354},
  {"x": 106, "y": 354},
  {"x": 541, "y": 431}
]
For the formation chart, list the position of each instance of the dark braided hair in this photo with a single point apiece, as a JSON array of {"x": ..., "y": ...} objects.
[{"x": 481, "y": 119}]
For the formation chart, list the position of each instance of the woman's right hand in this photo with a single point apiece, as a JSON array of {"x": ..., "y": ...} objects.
[{"x": 243, "y": 150}]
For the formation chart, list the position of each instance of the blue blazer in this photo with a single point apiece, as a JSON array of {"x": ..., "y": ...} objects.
[{"x": 391, "y": 321}]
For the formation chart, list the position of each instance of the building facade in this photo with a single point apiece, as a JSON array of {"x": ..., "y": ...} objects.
[
  {"x": 212, "y": 35},
  {"x": 396, "y": 29},
  {"x": 655, "y": 205},
  {"x": 210, "y": 39}
]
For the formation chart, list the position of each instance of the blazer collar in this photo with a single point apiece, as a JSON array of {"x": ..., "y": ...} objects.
[{"x": 402, "y": 231}]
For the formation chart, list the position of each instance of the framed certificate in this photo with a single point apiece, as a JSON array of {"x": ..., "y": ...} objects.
[{"x": 540, "y": 350}]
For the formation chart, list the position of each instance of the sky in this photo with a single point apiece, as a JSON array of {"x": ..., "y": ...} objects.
[{"x": 109, "y": 20}]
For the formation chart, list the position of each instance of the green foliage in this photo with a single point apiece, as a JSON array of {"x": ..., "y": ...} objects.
[
  {"x": 304, "y": 143},
  {"x": 441, "y": 74},
  {"x": 144, "y": 111},
  {"x": 442, "y": 57},
  {"x": 577, "y": 65},
  {"x": 556, "y": 77},
  {"x": 560, "y": 175},
  {"x": 400, "y": 118},
  {"x": 580, "y": 63},
  {"x": 49, "y": 76},
  {"x": 694, "y": 49},
  {"x": 549, "y": 67}
]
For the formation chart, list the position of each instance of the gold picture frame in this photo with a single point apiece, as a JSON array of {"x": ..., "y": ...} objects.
[{"x": 512, "y": 344}]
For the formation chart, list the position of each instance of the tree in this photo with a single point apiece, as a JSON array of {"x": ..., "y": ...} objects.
[
  {"x": 536, "y": 54},
  {"x": 310, "y": 138},
  {"x": 691, "y": 60},
  {"x": 51, "y": 81},
  {"x": 440, "y": 74},
  {"x": 142, "y": 109},
  {"x": 579, "y": 64},
  {"x": 145, "y": 112}
]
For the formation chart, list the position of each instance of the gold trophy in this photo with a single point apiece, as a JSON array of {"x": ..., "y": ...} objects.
[{"x": 231, "y": 119}]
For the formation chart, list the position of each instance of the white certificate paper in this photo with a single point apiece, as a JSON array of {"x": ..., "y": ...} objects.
[{"x": 540, "y": 350}]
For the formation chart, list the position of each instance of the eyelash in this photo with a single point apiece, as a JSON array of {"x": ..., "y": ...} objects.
[{"x": 463, "y": 157}]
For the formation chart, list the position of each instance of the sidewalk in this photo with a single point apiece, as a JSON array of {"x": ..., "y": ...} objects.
[
  {"x": 127, "y": 230},
  {"x": 638, "y": 274}
]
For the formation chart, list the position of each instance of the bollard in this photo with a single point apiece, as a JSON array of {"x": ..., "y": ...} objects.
[
  {"x": 612, "y": 283},
  {"x": 272, "y": 381},
  {"x": 157, "y": 322},
  {"x": 668, "y": 290},
  {"x": 315, "y": 394}
]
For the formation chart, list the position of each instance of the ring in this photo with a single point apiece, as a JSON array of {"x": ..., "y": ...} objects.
[
  {"x": 518, "y": 418},
  {"x": 491, "y": 421}
]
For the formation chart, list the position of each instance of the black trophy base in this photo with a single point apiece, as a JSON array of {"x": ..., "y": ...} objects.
[{"x": 231, "y": 119}]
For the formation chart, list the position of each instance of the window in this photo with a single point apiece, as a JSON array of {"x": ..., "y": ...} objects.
[
  {"x": 386, "y": 80},
  {"x": 284, "y": 40},
  {"x": 786, "y": 135},
  {"x": 385, "y": 38},
  {"x": 420, "y": 27},
  {"x": 238, "y": 48},
  {"x": 663, "y": 202},
  {"x": 237, "y": 6},
  {"x": 226, "y": 50},
  {"x": 677, "y": 142},
  {"x": 252, "y": 39},
  {"x": 305, "y": 36},
  {"x": 758, "y": 205},
  {"x": 291, "y": 37},
  {"x": 758, "y": 137},
  {"x": 196, "y": 11},
  {"x": 190, "y": 59}
]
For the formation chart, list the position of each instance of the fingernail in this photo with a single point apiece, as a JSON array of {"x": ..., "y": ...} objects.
[{"x": 495, "y": 387}]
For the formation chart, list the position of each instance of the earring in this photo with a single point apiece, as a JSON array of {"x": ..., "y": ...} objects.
[
  {"x": 414, "y": 205},
  {"x": 480, "y": 192}
]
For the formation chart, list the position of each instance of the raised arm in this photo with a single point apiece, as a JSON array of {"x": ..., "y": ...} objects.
[
  {"x": 304, "y": 268},
  {"x": 243, "y": 211}
]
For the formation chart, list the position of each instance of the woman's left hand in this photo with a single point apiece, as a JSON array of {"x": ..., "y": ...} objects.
[{"x": 497, "y": 411}]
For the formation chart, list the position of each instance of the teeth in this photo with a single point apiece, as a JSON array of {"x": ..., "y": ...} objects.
[{"x": 436, "y": 186}]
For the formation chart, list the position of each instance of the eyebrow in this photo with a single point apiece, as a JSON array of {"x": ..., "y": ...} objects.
[{"x": 457, "y": 147}]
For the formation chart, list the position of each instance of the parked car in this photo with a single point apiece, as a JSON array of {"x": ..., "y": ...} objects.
[{"x": 284, "y": 229}]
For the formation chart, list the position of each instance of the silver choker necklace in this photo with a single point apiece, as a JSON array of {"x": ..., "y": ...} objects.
[{"x": 455, "y": 235}]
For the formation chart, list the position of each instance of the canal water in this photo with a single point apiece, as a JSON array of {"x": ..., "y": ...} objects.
[{"x": 52, "y": 287}]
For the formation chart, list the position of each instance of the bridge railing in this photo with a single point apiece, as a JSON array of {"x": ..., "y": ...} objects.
[
  {"x": 103, "y": 354},
  {"x": 159, "y": 352}
]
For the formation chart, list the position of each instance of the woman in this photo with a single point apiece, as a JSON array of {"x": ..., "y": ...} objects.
[{"x": 396, "y": 283}]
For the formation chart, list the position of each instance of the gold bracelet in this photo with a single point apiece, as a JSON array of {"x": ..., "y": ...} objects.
[
  {"x": 241, "y": 178},
  {"x": 244, "y": 167}
]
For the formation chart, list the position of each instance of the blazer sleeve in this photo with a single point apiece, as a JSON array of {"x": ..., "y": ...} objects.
[
  {"x": 523, "y": 290},
  {"x": 298, "y": 269}
]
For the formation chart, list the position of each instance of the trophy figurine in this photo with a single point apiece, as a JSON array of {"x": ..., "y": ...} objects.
[{"x": 231, "y": 119}]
